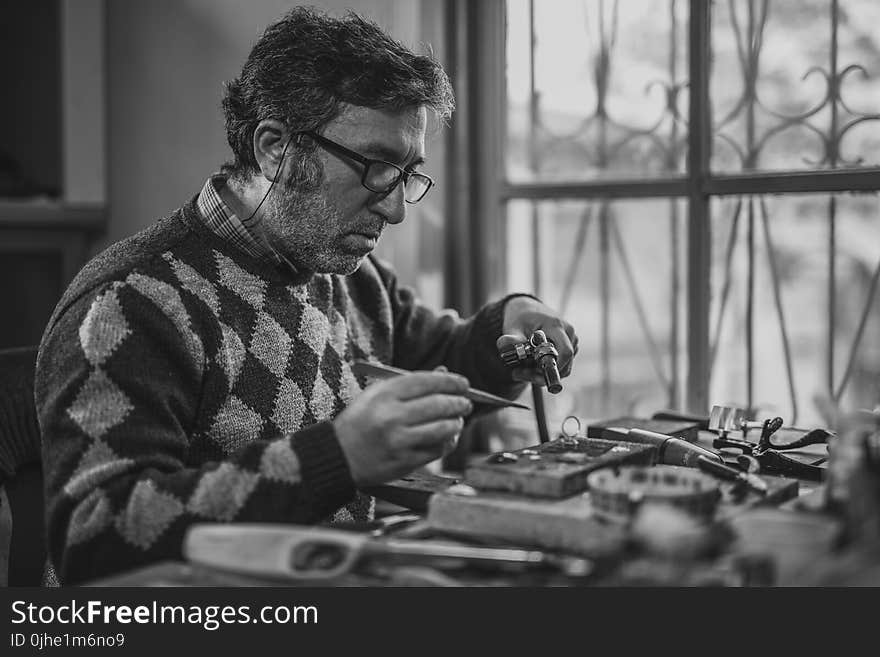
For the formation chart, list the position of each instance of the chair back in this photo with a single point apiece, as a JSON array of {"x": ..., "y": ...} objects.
[{"x": 22, "y": 512}]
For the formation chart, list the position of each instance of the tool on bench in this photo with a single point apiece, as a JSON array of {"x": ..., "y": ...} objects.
[
  {"x": 308, "y": 553},
  {"x": 538, "y": 352},
  {"x": 381, "y": 371},
  {"x": 768, "y": 455},
  {"x": 730, "y": 473},
  {"x": 671, "y": 450}
]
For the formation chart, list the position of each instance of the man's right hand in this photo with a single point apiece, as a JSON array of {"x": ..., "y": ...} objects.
[{"x": 399, "y": 424}]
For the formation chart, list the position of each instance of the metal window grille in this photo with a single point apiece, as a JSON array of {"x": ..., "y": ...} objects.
[{"x": 688, "y": 179}]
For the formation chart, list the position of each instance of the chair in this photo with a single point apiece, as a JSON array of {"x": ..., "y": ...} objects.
[{"x": 22, "y": 513}]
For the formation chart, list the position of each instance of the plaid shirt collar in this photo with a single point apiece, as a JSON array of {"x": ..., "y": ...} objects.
[{"x": 223, "y": 222}]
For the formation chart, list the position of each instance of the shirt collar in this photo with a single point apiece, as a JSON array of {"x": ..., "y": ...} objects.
[{"x": 224, "y": 223}]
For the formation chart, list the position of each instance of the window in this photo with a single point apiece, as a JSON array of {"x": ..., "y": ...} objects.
[{"x": 694, "y": 185}]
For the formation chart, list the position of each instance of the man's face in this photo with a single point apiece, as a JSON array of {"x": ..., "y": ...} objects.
[{"x": 331, "y": 229}]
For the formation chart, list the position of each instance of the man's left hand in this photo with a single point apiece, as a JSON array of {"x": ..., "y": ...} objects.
[{"x": 525, "y": 315}]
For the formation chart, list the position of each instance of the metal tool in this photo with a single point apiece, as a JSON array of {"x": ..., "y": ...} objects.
[
  {"x": 539, "y": 352},
  {"x": 671, "y": 450},
  {"x": 729, "y": 473},
  {"x": 308, "y": 553},
  {"x": 724, "y": 419},
  {"x": 381, "y": 371}
]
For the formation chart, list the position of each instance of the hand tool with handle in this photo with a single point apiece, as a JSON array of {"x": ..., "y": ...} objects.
[
  {"x": 729, "y": 473},
  {"x": 382, "y": 371},
  {"x": 307, "y": 552}
]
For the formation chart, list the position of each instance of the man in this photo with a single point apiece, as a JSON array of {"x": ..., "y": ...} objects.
[{"x": 201, "y": 370}]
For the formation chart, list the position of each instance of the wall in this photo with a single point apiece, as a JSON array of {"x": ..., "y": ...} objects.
[
  {"x": 30, "y": 129},
  {"x": 167, "y": 61}
]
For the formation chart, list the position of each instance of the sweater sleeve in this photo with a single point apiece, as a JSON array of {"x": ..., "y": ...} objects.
[
  {"x": 118, "y": 384},
  {"x": 425, "y": 339}
]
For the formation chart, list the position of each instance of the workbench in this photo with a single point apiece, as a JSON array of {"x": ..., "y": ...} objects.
[{"x": 789, "y": 541}]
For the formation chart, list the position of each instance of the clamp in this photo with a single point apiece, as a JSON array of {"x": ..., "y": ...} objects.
[
  {"x": 539, "y": 352},
  {"x": 765, "y": 452}
]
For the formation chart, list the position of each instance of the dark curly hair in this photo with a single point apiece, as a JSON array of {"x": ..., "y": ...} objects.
[{"x": 305, "y": 65}]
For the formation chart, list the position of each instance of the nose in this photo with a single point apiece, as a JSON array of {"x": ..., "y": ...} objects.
[{"x": 391, "y": 206}]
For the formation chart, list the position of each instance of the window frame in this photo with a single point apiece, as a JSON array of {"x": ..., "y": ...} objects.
[{"x": 479, "y": 191}]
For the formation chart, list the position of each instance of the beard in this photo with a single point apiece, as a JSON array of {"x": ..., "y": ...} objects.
[{"x": 307, "y": 229}]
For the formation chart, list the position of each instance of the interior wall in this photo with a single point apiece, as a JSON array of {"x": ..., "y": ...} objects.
[
  {"x": 167, "y": 61},
  {"x": 30, "y": 127}
]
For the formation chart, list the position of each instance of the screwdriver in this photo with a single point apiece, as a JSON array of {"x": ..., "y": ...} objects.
[{"x": 724, "y": 471}]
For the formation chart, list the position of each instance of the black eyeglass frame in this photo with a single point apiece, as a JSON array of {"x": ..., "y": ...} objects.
[{"x": 403, "y": 174}]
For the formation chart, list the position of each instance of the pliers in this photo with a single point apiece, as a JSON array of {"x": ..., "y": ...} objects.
[{"x": 768, "y": 456}]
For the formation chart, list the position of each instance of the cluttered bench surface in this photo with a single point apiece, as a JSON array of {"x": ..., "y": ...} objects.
[{"x": 661, "y": 501}]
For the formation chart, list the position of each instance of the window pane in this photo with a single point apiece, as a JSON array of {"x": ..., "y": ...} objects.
[
  {"x": 614, "y": 270},
  {"x": 799, "y": 227},
  {"x": 774, "y": 104},
  {"x": 595, "y": 88}
]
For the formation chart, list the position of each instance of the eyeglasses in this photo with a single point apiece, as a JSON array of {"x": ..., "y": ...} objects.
[{"x": 380, "y": 176}]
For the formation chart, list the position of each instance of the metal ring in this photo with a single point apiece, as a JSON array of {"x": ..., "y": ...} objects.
[{"x": 577, "y": 430}]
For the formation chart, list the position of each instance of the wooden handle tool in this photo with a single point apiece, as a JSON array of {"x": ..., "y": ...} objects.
[{"x": 307, "y": 552}]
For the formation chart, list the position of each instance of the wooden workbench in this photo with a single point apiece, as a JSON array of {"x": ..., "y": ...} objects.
[{"x": 795, "y": 535}]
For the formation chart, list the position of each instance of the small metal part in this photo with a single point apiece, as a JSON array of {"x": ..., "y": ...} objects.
[
  {"x": 538, "y": 352},
  {"x": 504, "y": 457},
  {"x": 769, "y": 427},
  {"x": 571, "y": 427},
  {"x": 724, "y": 419},
  {"x": 391, "y": 524},
  {"x": 528, "y": 451},
  {"x": 546, "y": 355}
]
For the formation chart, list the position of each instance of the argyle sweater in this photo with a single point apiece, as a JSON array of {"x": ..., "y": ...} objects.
[{"x": 181, "y": 380}]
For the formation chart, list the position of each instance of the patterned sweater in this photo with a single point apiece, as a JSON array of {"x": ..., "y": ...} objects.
[{"x": 182, "y": 380}]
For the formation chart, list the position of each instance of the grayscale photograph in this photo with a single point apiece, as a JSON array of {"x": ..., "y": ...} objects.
[{"x": 497, "y": 294}]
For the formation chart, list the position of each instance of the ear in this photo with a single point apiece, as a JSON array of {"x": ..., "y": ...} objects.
[{"x": 270, "y": 138}]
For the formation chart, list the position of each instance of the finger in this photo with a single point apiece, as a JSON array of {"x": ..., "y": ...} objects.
[
  {"x": 510, "y": 340},
  {"x": 566, "y": 371},
  {"x": 419, "y": 384},
  {"x": 449, "y": 446},
  {"x": 451, "y": 443},
  {"x": 435, "y": 407},
  {"x": 573, "y": 337},
  {"x": 433, "y": 435}
]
